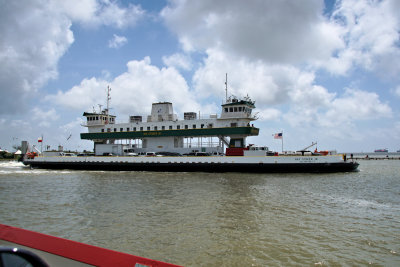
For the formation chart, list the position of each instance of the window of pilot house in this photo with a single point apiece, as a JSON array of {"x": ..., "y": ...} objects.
[
  {"x": 141, "y": 128},
  {"x": 97, "y": 118},
  {"x": 155, "y": 128},
  {"x": 121, "y": 129},
  {"x": 115, "y": 129},
  {"x": 170, "y": 127},
  {"x": 148, "y": 128},
  {"x": 178, "y": 127},
  {"x": 134, "y": 129},
  {"x": 202, "y": 126},
  {"x": 226, "y": 109},
  {"x": 235, "y": 109},
  {"x": 186, "y": 126},
  {"x": 240, "y": 109},
  {"x": 162, "y": 127},
  {"x": 230, "y": 109},
  {"x": 127, "y": 129},
  {"x": 194, "y": 126},
  {"x": 102, "y": 130}
]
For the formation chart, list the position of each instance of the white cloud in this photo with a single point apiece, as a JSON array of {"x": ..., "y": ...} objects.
[
  {"x": 117, "y": 41},
  {"x": 397, "y": 91},
  {"x": 340, "y": 112},
  {"x": 357, "y": 105},
  {"x": 360, "y": 33},
  {"x": 179, "y": 61},
  {"x": 33, "y": 39},
  {"x": 84, "y": 96},
  {"x": 44, "y": 118},
  {"x": 268, "y": 114},
  {"x": 274, "y": 31},
  {"x": 268, "y": 84},
  {"x": 35, "y": 34},
  {"x": 132, "y": 92},
  {"x": 369, "y": 30},
  {"x": 94, "y": 13}
]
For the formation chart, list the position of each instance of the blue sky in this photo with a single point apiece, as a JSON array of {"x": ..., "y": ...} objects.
[{"x": 324, "y": 71}]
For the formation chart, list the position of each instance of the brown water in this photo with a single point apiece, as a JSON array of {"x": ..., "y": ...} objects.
[{"x": 228, "y": 219}]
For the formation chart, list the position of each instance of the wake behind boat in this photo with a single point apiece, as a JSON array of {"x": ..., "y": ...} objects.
[{"x": 202, "y": 144}]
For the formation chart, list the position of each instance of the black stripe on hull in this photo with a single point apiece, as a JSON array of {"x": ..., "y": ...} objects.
[{"x": 202, "y": 167}]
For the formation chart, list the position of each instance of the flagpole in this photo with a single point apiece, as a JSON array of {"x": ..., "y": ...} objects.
[
  {"x": 41, "y": 146},
  {"x": 282, "y": 141}
]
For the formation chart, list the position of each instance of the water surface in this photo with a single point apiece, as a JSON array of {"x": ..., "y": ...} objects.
[{"x": 228, "y": 219}]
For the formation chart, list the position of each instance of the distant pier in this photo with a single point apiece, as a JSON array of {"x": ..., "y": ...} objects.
[{"x": 374, "y": 156}]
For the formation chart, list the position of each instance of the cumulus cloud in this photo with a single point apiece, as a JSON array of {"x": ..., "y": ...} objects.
[
  {"x": 94, "y": 13},
  {"x": 117, "y": 41},
  {"x": 397, "y": 91},
  {"x": 35, "y": 34},
  {"x": 293, "y": 32},
  {"x": 269, "y": 84},
  {"x": 369, "y": 30},
  {"x": 44, "y": 118},
  {"x": 342, "y": 111},
  {"x": 274, "y": 31},
  {"x": 179, "y": 61},
  {"x": 33, "y": 38},
  {"x": 132, "y": 91}
]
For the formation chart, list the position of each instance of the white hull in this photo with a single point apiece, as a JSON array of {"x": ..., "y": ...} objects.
[{"x": 265, "y": 164}]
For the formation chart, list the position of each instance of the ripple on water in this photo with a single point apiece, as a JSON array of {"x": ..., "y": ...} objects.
[{"x": 198, "y": 219}]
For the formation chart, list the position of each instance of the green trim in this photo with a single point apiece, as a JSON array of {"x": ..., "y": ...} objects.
[{"x": 228, "y": 131}]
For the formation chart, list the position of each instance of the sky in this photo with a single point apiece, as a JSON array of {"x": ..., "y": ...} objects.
[{"x": 319, "y": 71}]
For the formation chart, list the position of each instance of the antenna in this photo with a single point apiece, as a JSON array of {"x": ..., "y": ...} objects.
[
  {"x": 108, "y": 104},
  {"x": 100, "y": 105},
  {"x": 226, "y": 87}
]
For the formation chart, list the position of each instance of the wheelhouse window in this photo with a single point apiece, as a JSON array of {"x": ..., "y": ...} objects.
[
  {"x": 178, "y": 127},
  {"x": 148, "y": 128}
]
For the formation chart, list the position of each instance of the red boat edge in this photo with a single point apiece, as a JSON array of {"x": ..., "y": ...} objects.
[{"x": 71, "y": 250}]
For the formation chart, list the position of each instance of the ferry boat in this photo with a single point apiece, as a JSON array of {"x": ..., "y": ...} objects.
[
  {"x": 216, "y": 143},
  {"x": 382, "y": 150}
]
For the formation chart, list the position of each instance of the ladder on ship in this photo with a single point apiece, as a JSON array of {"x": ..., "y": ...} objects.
[{"x": 223, "y": 140}]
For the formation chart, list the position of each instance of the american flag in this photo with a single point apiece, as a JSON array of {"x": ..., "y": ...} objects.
[{"x": 278, "y": 136}]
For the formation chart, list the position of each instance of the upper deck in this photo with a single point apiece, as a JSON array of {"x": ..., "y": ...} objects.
[{"x": 236, "y": 116}]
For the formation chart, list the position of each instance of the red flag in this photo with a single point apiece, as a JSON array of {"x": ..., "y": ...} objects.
[{"x": 40, "y": 139}]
